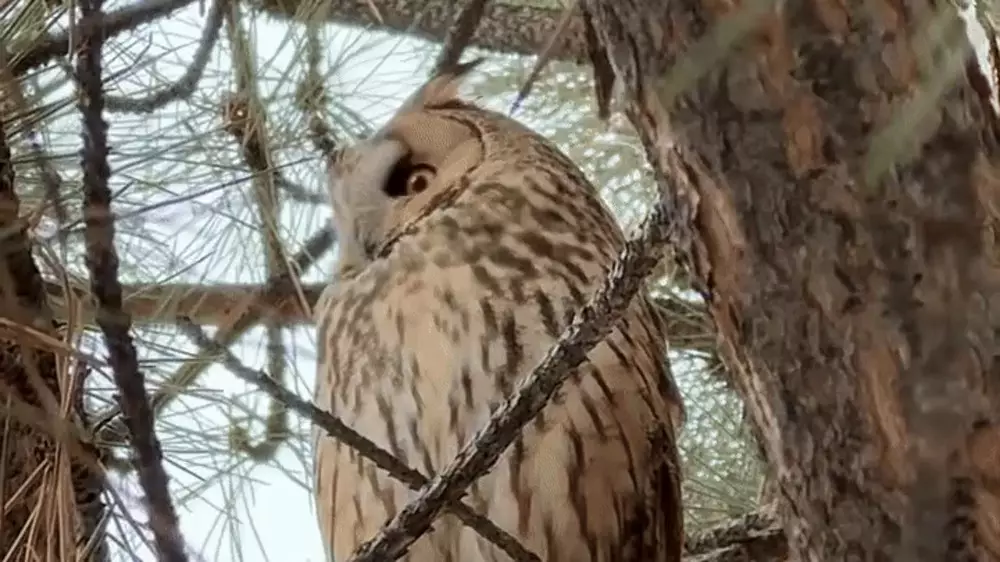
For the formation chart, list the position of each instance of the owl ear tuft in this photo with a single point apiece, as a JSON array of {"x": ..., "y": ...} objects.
[{"x": 443, "y": 86}]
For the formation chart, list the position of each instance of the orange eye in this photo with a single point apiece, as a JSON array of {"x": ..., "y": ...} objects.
[
  {"x": 407, "y": 180},
  {"x": 418, "y": 181}
]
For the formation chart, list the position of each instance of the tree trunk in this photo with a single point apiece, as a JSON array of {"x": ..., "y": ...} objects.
[
  {"x": 857, "y": 301},
  {"x": 44, "y": 519}
]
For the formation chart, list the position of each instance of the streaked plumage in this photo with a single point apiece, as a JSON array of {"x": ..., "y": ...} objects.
[{"x": 467, "y": 242}]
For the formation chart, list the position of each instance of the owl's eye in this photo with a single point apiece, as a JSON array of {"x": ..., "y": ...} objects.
[
  {"x": 408, "y": 179},
  {"x": 419, "y": 180}
]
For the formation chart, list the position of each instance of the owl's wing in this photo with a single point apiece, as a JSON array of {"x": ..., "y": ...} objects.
[
  {"x": 659, "y": 524},
  {"x": 654, "y": 530}
]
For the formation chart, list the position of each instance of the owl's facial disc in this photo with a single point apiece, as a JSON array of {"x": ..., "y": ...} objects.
[
  {"x": 387, "y": 184},
  {"x": 358, "y": 178}
]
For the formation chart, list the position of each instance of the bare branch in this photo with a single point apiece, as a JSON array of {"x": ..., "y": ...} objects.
[
  {"x": 667, "y": 224},
  {"x": 111, "y": 24},
  {"x": 688, "y": 324},
  {"x": 102, "y": 262},
  {"x": 754, "y": 537},
  {"x": 186, "y": 84},
  {"x": 311, "y": 97},
  {"x": 31, "y": 383},
  {"x": 545, "y": 54},
  {"x": 460, "y": 35},
  {"x": 244, "y": 314},
  {"x": 251, "y": 133},
  {"x": 366, "y": 448},
  {"x": 505, "y": 27}
]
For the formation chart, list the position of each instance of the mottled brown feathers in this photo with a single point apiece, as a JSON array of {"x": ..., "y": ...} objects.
[{"x": 467, "y": 243}]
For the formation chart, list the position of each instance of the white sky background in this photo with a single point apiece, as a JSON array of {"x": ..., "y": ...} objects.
[{"x": 253, "y": 512}]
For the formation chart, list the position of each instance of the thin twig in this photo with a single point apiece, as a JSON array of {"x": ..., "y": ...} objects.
[
  {"x": 459, "y": 35},
  {"x": 102, "y": 261},
  {"x": 545, "y": 54},
  {"x": 343, "y": 433},
  {"x": 13, "y": 91},
  {"x": 186, "y": 84},
  {"x": 592, "y": 324},
  {"x": 252, "y": 135},
  {"x": 312, "y": 97}
]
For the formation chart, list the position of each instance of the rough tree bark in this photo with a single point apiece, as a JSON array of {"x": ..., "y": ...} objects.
[{"x": 858, "y": 310}]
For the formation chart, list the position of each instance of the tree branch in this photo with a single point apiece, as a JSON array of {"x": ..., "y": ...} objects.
[
  {"x": 244, "y": 313},
  {"x": 505, "y": 28},
  {"x": 102, "y": 261},
  {"x": 246, "y": 121},
  {"x": 31, "y": 382},
  {"x": 204, "y": 304},
  {"x": 752, "y": 538},
  {"x": 337, "y": 429},
  {"x": 185, "y": 86},
  {"x": 460, "y": 35},
  {"x": 688, "y": 324},
  {"x": 55, "y": 44}
]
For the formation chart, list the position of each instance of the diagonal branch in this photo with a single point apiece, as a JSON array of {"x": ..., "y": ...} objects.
[
  {"x": 185, "y": 86},
  {"x": 244, "y": 314},
  {"x": 56, "y": 44},
  {"x": 342, "y": 432},
  {"x": 667, "y": 224},
  {"x": 460, "y": 35},
  {"x": 545, "y": 54},
  {"x": 102, "y": 262}
]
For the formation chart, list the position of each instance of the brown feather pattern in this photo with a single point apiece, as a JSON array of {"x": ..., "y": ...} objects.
[{"x": 446, "y": 294}]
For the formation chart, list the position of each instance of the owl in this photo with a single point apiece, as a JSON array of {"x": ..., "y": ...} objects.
[{"x": 466, "y": 244}]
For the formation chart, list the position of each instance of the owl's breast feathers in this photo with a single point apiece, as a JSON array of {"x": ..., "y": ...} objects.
[{"x": 421, "y": 345}]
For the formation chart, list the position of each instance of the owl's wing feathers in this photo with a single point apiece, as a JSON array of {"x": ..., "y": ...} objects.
[{"x": 478, "y": 273}]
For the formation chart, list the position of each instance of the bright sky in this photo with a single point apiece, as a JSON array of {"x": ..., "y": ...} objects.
[{"x": 270, "y": 513}]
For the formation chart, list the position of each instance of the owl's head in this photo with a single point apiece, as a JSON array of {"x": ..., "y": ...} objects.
[{"x": 413, "y": 164}]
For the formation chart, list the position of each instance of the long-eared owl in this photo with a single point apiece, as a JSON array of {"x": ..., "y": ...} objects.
[{"x": 466, "y": 244}]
